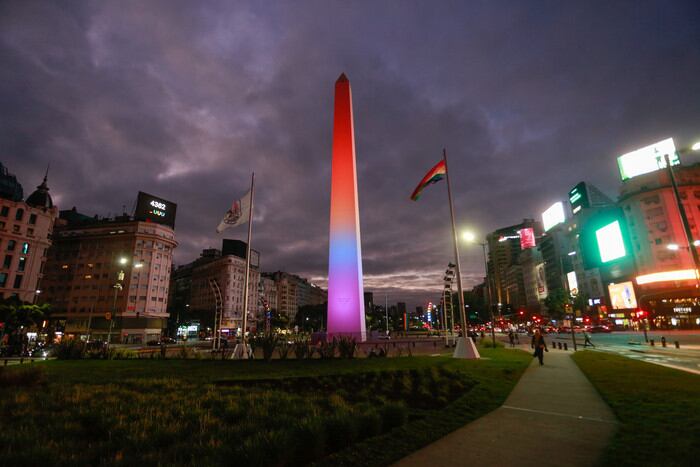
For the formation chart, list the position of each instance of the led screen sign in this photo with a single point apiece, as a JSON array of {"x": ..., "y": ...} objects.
[
  {"x": 573, "y": 283},
  {"x": 578, "y": 198},
  {"x": 554, "y": 215},
  {"x": 622, "y": 296},
  {"x": 647, "y": 159},
  {"x": 150, "y": 208},
  {"x": 611, "y": 244},
  {"x": 527, "y": 238}
]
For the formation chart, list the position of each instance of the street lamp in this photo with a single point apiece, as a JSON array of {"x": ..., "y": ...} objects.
[
  {"x": 470, "y": 237},
  {"x": 118, "y": 286},
  {"x": 681, "y": 211}
]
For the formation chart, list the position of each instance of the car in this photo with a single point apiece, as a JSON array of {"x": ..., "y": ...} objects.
[
  {"x": 168, "y": 340},
  {"x": 601, "y": 328}
]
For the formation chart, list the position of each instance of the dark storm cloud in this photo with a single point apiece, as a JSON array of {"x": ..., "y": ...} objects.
[{"x": 185, "y": 99}]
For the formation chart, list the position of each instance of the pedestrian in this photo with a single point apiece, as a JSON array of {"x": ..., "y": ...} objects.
[
  {"x": 511, "y": 338},
  {"x": 540, "y": 346},
  {"x": 587, "y": 340}
]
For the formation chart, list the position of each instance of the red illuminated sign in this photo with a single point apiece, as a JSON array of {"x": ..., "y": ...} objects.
[{"x": 527, "y": 238}]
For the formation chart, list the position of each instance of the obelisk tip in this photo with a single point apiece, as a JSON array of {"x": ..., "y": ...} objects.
[{"x": 342, "y": 78}]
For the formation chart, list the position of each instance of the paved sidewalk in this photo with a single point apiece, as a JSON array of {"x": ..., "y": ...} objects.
[{"x": 553, "y": 417}]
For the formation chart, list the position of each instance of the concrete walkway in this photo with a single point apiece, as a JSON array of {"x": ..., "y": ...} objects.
[{"x": 553, "y": 417}]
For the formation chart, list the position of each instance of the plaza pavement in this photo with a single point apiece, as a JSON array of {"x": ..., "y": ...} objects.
[{"x": 553, "y": 417}]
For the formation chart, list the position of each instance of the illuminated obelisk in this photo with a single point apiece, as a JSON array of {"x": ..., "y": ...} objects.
[{"x": 346, "y": 307}]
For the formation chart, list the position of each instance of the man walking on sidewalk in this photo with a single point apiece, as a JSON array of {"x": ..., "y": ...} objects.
[
  {"x": 587, "y": 340},
  {"x": 539, "y": 345}
]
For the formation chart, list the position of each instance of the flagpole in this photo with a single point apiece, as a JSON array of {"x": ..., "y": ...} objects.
[
  {"x": 247, "y": 267},
  {"x": 465, "y": 323}
]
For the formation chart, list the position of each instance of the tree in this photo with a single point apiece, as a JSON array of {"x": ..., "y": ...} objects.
[
  {"x": 310, "y": 317},
  {"x": 556, "y": 303}
]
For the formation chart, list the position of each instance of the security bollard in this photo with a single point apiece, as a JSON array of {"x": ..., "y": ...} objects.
[
  {"x": 554, "y": 345},
  {"x": 678, "y": 344},
  {"x": 566, "y": 347},
  {"x": 663, "y": 341},
  {"x": 651, "y": 342},
  {"x": 559, "y": 344}
]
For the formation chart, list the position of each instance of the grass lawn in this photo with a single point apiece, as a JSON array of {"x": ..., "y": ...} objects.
[
  {"x": 192, "y": 412},
  {"x": 658, "y": 407}
]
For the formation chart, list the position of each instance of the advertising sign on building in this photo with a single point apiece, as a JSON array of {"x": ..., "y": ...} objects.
[
  {"x": 611, "y": 245},
  {"x": 578, "y": 198},
  {"x": 554, "y": 215},
  {"x": 150, "y": 208},
  {"x": 647, "y": 159},
  {"x": 541, "y": 282},
  {"x": 573, "y": 283},
  {"x": 622, "y": 296},
  {"x": 527, "y": 238}
]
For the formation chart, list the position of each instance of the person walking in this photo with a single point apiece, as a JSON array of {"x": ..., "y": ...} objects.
[
  {"x": 511, "y": 338},
  {"x": 540, "y": 346},
  {"x": 587, "y": 340}
]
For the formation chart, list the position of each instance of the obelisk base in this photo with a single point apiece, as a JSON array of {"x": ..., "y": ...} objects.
[{"x": 466, "y": 349}]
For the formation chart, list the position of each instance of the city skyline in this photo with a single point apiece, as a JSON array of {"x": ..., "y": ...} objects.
[{"x": 184, "y": 101}]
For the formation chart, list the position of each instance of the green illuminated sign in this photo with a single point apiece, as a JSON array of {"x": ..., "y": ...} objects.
[
  {"x": 578, "y": 198},
  {"x": 611, "y": 245}
]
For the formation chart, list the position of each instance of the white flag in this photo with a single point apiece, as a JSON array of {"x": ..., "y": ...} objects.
[{"x": 237, "y": 215}]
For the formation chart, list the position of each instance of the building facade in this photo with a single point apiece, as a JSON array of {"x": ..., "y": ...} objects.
[
  {"x": 25, "y": 236},
  {"x": 108, "y": 279}
]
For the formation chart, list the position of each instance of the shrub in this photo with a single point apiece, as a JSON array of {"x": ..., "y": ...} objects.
[
  {"x": 347, "y": 347},
  {"x": 340, "y": 429},
  {"x": 302, "y": 348},
  {"x": 308, "y": 441},
  {"x": 71, "y": 349},
  {"x": 283, "y": 348},
  {"x": 185, "y": 352},
  {"x": 326, "y": 349},
  {"x": 369, "y": 424},
  {"x": 26, "y": 376},
  {"x": 268, "y": 343},
  {"x": 489, "y": 344},
  {"x": 393, "y": 415}
]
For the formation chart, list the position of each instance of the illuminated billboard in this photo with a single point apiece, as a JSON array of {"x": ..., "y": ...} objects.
[
  {"x": 554, "y": 215},
  {"x": 573, "y": 283},
  {"x": 647, "y": 159},
  {"x": 578, "y": 198},
  {"x": 611, "y": 244},
  {"x": 541, "y": 282},
  {"x": 622, "y": 296},
  {"x": 527, "y": 238},
  {"x": 150, "y": 208}
]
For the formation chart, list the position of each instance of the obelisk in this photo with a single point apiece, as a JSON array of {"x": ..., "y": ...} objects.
[{"x": 346, "y": 307}]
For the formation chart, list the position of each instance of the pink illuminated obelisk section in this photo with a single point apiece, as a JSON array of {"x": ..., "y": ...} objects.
[{"x": 346, "y": 307}]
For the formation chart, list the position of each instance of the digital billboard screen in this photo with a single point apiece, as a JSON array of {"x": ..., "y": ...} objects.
[
  {"x": 527, "y": 238},
  {"x": 554, "y": 215},
  {"x": 578, "y": 198},
  {"x": 647, "y": 159},
  {"x": 573, "y": 283},
  {"x": 622, "y": 296},
  {"x": 151, "y": 208},
  {"x": 611, "y": 244}
]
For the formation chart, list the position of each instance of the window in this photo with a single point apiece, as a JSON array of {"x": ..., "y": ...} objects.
[
  {"x": 15, "y": 228},
  {"x": 8, "y": 262},
  {"x": 19, "y": 214},
  {"x": 32, "y": 218},
  {"x": 3, "y": 279},
  {"x": 657, "y": 241},
  {"x": 22, "y": 264},
  {"x": 25, "y": 248},
  {"x": 30, "y": 232},
  {"x": 18, "y": 282},
  {"x": 5, "y": 211}
]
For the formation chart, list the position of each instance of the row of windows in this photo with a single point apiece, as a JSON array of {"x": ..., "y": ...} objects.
[
  {"x": 17, "y": 282},
  {"x": 19, "y": 214}
]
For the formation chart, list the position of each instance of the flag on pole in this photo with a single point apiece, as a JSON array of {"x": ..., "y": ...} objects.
[
  {"x": 434, "y": 175},
  {"x": 237, "y": 215}
]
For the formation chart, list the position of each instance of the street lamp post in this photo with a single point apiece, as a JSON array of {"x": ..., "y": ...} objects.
[
  {"x": 684, "y": 220},
  {"x": 471, "y": 238}
]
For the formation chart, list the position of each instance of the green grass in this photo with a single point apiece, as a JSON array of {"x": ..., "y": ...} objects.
[
  {"x": 191, "y": 412},
  {"x": 658, "y": 407}
]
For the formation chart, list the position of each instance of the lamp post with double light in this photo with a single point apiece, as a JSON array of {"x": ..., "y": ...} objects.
[
  {"x": 470, "y": 237},
  {"x": 118, "y": 286}
]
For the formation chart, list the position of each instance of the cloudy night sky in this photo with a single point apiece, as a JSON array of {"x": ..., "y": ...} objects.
[{"x": 184, "y": 99}]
